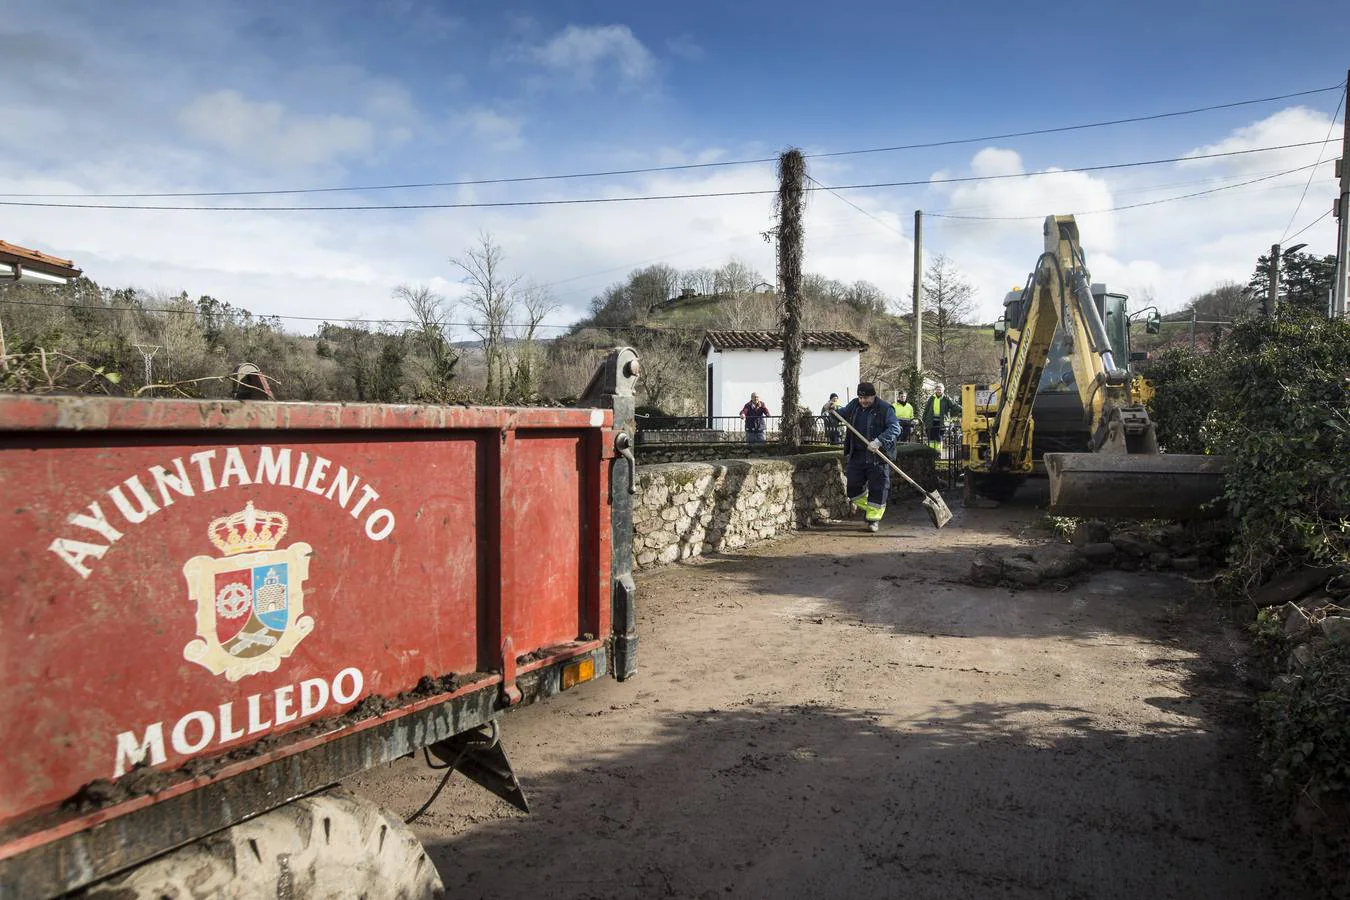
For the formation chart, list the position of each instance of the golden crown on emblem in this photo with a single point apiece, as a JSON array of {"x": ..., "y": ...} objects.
[{"x": 248, "y": 530}]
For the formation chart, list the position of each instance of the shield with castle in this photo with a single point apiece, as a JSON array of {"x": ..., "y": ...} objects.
[{"x": 250, "y": 600}]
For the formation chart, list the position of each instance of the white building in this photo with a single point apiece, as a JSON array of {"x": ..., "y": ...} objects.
[
  {"x": 742, "y": 362},
  {"x": 32, "y": 267}
]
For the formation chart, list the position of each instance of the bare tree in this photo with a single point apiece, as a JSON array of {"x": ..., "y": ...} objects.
[
  {"x": 535, "y": 302},
  {"x": 490, "y": 303},
  {"x": 572, "y": 361},
  {"x": 734, "y": 277},
  {"x": 437, "y": 358},
  {"x": 1227, "y": 300},
  {"x": 700, "y": 281},
  {"x": 671, "y": 372},
  {"x": 949, "y": 303},
  {"x": 747, "y": 312}
]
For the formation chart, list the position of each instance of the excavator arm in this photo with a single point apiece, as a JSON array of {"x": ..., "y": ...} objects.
[
  {"x": 1125, "y": 475},
  {"x": 1058, "y": 295}
]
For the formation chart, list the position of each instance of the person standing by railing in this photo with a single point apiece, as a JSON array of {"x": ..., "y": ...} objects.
[
  {"x": 936, "y": 413},
  {"x": 832, "y": 429},
  {"x": 904, "y": 411},
  {"x": 755, "y": 413}
]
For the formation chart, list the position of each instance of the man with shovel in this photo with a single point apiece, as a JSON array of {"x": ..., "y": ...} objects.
[{"x": 874, "y": 430}]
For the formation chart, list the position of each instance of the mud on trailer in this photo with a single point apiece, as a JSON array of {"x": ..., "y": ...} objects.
[{"x": 215, "y": 611}]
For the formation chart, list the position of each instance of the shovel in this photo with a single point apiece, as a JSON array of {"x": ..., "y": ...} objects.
[{"x": 933, "y": 503}]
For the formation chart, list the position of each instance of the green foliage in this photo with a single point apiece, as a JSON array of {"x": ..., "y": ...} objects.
[
  {"x": 1304, "y": 281},
  {"x": 1182, "y": 402},
  {"x": 1268, "y": 638},
  {"x": 1062, "y": 526},
  {"x": 1275, "y": 400},
  {"x": 1281, "y": 417},
  {"x": 1305, "y": 728}
]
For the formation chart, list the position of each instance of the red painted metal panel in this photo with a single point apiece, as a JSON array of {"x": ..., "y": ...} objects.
[
  {"x": 179, "y": 579},
  {"x": 545, "y": 480}
]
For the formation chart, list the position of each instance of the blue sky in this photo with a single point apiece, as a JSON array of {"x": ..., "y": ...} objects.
[{"x": 176, "y": 96}]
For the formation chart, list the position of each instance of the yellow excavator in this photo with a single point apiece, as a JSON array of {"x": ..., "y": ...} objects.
[{"x": 1123, "y": 473}]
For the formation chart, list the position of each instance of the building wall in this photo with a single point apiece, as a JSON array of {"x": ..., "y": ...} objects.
[{"x": 736, "y": 373}]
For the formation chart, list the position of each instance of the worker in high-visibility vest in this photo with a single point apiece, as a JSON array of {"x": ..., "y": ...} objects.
[
  {"x": 904, "y": 411},
  {"x": 935, "y": 414}
]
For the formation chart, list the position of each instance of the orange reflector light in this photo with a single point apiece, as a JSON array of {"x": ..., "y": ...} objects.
[{"x": 578, "y": 672}]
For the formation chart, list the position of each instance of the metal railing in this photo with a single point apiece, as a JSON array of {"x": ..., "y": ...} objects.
[
  {"x": 732, "y": 430},
  {"x": 767, "y": 429}
]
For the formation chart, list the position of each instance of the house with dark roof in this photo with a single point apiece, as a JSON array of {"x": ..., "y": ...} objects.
[{"x": 742, "y": 362}]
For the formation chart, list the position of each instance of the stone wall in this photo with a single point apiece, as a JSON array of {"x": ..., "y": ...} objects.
[{"x": 689, "y": 509}]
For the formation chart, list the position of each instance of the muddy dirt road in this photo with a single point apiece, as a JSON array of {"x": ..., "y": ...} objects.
[{"x": 837, "y": 714}]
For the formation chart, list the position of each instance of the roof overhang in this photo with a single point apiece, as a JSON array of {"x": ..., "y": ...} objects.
[{"x": 32, "y": 267}]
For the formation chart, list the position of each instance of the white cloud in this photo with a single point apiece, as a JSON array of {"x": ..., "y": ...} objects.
[
  {"x": 1050, "y": 189},
  {"x": 993, "y": 161},
  {"x": 583, "y": 52},
  {"x": 685, "y": 47},
  {"x": 1296, "y": 125},
  {"x": 266, "y": 132},
  {"x": 492, "y": 129}
]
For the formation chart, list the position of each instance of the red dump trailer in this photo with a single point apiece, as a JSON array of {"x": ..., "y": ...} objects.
[{"x": 212, "y": 610}]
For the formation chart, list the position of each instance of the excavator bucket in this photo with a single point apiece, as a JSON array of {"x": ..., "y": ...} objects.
[{"x": 1135, "y": 485}]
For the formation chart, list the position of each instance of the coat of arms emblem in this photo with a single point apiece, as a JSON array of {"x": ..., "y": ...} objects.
[{"x": 250, "y": 601}]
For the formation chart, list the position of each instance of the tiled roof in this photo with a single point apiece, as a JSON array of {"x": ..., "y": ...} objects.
[
  {"x": 13, "y": 253},
  {"x": 773, "y": 340}
]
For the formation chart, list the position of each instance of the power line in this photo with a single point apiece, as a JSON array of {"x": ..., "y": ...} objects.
[
  {"x": 1330, "y": 129},
  {"x": 1140, "y": 189},
  {"x": 1063, "y": 128},
  {"x": 685, "y": 166},
  {"x": 878, "y": 220},
  {"x": 1090, "y": 212},
  {"x": 1306, "y": 227},
  {"x": 575, "y": 201}
]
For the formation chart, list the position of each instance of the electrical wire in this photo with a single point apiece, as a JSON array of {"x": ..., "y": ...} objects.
[
  {"x": 1306, "y": 227},
  {"x": 1330, "y": 129},
  {"x": 648, "y": 328},
  {"x": 688, "y": 166},
  {"x": 883, "y": 223},
  {"x": 574, "y": 201},
  {"x": 1063, "y": 128},
  {"x": 1194, "y": 194},
  {"x": 1139, "y": 189},
  {"x": 445, "y": 779}
]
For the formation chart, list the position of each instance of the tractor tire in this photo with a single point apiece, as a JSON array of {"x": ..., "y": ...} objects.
[{"x": 332, "y": 845}]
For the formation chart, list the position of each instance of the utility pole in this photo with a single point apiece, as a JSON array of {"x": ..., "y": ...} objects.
[
  {"x": 918, "y": 291},
  {"x": 1343, "y": 214},
  {"x": 1273, "y": 289}
]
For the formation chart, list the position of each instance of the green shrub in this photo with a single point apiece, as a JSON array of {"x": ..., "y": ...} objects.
[
  {"x": 1275, "y": 400},
  {"x": 1306, "y": 728}
]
